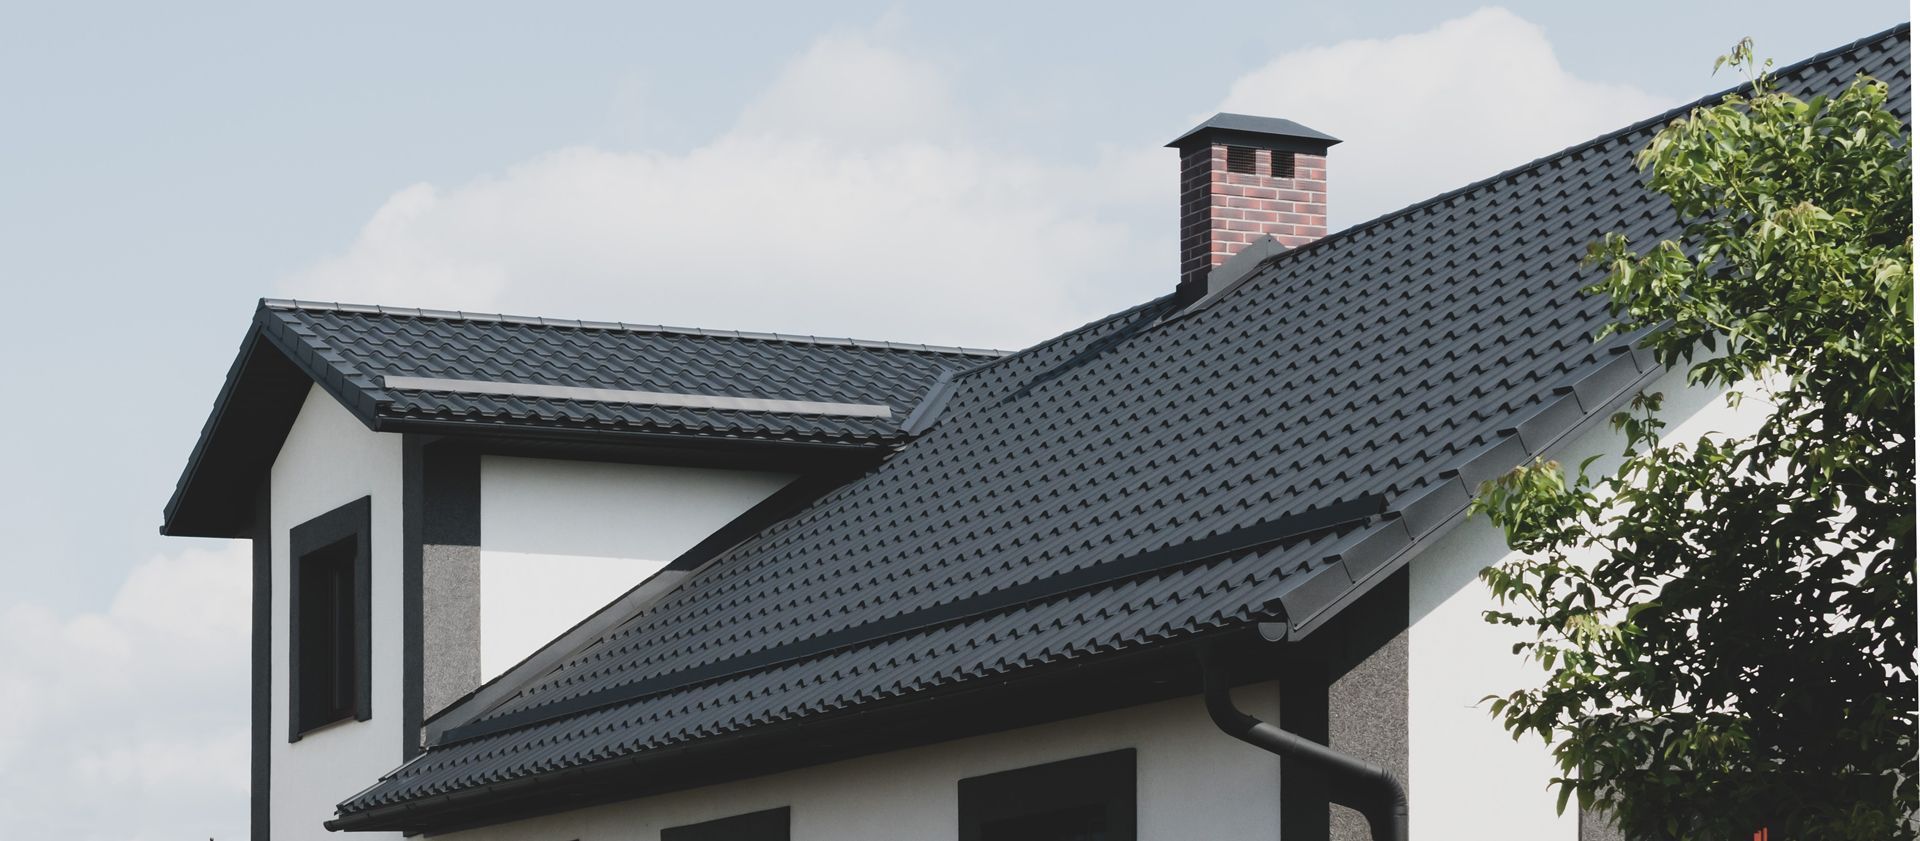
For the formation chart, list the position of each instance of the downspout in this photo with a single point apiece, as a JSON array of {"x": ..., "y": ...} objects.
[{"x": 1384, "y": 797}]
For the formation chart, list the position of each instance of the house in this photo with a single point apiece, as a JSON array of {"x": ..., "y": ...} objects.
[{"x": 517, "y": 578}]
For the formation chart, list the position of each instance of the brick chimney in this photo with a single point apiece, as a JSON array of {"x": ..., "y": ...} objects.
[{"x": 1244, "y": 179}]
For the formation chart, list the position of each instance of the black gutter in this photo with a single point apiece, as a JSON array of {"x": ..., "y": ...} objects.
[
  {"x": 1380, "y": 796},
  {"x": 1034, "y": 695}
]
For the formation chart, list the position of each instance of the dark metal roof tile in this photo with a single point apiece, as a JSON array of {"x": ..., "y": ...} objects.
[{"x": 1385, "y": 359}]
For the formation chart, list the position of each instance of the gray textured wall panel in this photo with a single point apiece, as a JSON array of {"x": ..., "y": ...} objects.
[
  {"x": 1367, "y": 718},
  {"x": 450, "y": 666}
]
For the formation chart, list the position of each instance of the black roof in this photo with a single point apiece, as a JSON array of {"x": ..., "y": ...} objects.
[
  {"x": 1155, "y": 476},
  {"x": 355, "y": 352},
  {"x": 1224, "y": 126}
]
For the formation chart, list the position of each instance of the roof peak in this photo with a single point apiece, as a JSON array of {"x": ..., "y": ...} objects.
[{"x": 295, "y": 305}]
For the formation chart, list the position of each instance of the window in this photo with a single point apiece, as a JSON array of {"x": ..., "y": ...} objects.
[
  {"x": 1282, "y": 164},
  {"x": 770, "y": 825},
  {"x": 1240, "y": 159},
  {"x": 1086, "y": 799},
  {"x": 329, "y": 614}
]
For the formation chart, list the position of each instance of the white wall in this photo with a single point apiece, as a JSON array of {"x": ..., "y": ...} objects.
[
  {"x": 331, "y": 459},
  {"x": 1465, "y": 771},
  {"x": 559, "y": 539},
  {"x": 1194, "y": 782}
]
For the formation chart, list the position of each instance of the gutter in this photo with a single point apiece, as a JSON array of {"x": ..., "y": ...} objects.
[
  {"x": 1035, "y": 695},
  {"x": 1304, "y": 524},
  {"x": 1382, "y": 799}
]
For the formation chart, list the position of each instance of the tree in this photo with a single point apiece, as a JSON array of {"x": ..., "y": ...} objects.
[{"x": 1727, "y": 625}]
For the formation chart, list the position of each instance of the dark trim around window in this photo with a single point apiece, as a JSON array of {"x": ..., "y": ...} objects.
[
  {"x": 1069, "y": 796},
  {"x": 770, "y": 825},
  {"x": 343, "y": 535},
  {"x": 260, "y": 790}
]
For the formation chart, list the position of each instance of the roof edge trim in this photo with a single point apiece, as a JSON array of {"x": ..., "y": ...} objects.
[
  {"x": 170, "y": 515},
  {"x": 1419, "y": 517}
]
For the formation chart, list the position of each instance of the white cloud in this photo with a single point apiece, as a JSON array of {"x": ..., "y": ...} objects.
[
  {"x": 852, "y": 92},
  {"x": 841, "y": 203},
  {"x": 849, "y": 199},
  {"x": 131, "y": 722},
  {"x": 913, "y": 241},
  {"x": 1424, "y": 113}
]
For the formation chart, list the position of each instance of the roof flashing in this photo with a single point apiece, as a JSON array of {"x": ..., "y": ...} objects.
[{"x": 639, "y": 397}]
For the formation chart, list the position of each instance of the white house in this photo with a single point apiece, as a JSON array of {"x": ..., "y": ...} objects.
[{"x": 518, "y": 578}]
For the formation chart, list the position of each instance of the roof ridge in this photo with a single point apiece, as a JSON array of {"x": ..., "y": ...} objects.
[
  {"x": 1670, "y": 114},
  {"x": 296, "y": 305}
]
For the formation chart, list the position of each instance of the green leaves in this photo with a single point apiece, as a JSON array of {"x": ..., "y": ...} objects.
[{"x": 1726, "y": 626}]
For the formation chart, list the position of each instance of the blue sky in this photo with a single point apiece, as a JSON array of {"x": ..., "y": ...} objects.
[{"x": 970, "y": 173}]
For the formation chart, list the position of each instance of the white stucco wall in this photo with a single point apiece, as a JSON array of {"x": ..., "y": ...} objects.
[
  {"x": 1464, "y": 770},
  {"x": 1194, "y": 782},
  {"x": 559, "y": 539},
  {"x": 329, "y": 460}
]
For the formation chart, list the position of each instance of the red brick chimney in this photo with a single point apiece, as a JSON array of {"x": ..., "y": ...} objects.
[{"x": 1243, "y": 179}]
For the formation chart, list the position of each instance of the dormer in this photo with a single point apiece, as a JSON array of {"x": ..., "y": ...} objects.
[{"x": 443, "y": 504}]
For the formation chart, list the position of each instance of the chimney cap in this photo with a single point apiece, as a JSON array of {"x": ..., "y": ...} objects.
[{"x": 1257, "y": 132}]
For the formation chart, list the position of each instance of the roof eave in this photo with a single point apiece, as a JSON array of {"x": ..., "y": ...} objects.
[{"x": 1040, "y": 694}]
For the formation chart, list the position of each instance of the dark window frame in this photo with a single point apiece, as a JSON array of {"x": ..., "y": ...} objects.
[
  {"x": 768, "y": 825},
  {"x": 1109, "y": 780},
  {"x": 347, "y": 529}
]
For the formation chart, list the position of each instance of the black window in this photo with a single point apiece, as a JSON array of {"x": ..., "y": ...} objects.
[
  {"x": 329, "y": 619},
  {"x": 770, "y": 825},
  {"x": 1086, "y": 799}
]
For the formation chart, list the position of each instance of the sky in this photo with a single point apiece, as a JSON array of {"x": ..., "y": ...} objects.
[{"x": 958, "y": 173}]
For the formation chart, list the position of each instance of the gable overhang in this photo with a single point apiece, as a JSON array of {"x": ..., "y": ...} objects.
[
  {"x": 250, "y": 420},
  {"x": 275, "y": 370}
]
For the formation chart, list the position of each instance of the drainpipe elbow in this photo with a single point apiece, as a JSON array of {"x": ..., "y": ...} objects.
[
  {"x": 1220, "y": 706},
  {"x": 1384, "y": 794}
]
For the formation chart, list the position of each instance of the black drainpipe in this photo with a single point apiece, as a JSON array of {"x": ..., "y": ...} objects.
[{"x": 1384, "y": 797}]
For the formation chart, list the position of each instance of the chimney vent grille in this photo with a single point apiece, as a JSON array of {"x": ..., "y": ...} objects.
[
  {"x": 1282, "y": 164},
  {"x": 1240, "y": 159}
]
